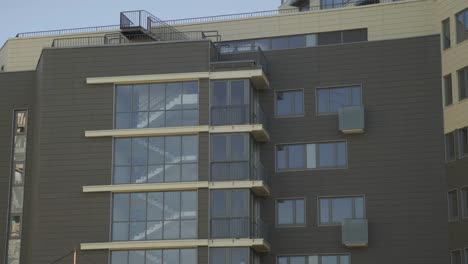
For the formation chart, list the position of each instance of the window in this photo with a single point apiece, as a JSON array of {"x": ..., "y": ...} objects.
[
  {"x": 230, "y": 213},
  {"x": 315, "y": 259},
  {"x": 155, "y": 159},
  {"x": 330, "y": 100},
  {"x": 328, "y": 4},
  {"x": 450, "y": 153},
  {"x": 230, "y": 102},
  {"x": 334, "y": 210},
  {"x": 169, "y": 256},
  {"x": 229, "y": 255},
  {"x": 154, "y": 216},
  {"x": 463, "y": 142},
  {"x": 466, "y": 255},
  {"x": 462, "y": 25},
  {"x": 311, "y": 156},
  {"x": 230, "y": 157},
  {"x": 290, "y": 212},
  {"x": 290, "y": 103},
  {"x": 446, "y": 34},
  {"x": 156, "y": 105},
  {"x": 463, "y": 83},
  {"x": 465, "y": 202},
  {"x": 448, "y": 97},
  {"x": 453, "y": 205},
  {"x": 455, "y": 257}
]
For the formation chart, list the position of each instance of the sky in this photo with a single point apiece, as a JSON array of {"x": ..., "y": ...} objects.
[{"x": 37, "y": 15}]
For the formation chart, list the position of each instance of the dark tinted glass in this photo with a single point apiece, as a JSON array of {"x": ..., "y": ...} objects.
[
  {"x": 328, "y": 38},
  {"x": 297, "y": 42},
  {"x": 356, "y": 35},
  {"x": 280, "y": 43}
]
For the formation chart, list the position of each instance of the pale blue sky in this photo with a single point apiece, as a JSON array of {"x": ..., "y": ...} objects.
[{"x": 36, "y": 15}]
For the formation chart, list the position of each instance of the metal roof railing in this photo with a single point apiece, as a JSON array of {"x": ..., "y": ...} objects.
[{"x": 68, "y": 31}]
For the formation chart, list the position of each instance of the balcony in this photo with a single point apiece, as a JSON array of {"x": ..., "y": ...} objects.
[
  {"x": 241, "y": 117},
  {"x": 351, "y": 119},
  {"x": 354, "y": 232},
  {"x": 240, "y": 231},
  {"x": 250, "y": 59},
  {"x": 228, "y": 175}
]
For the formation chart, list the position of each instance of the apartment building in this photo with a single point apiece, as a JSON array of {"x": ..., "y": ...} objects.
[{"x": 324, "y": 132}]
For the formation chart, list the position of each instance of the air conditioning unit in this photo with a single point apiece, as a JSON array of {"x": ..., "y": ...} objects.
[
  {"x": 354, "y": 232},
  {"x": 351, "y": 119}
]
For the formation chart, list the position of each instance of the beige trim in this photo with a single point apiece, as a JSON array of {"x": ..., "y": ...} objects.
[
  {"x": 163, "y": 131},
  {"x": 258, "y": 187},
  {"x": 258, "y": 75},
  {"x": 258, "y": 244},
  {"x": 147, "y": 187},
  {"x": 148, "y": 78},
  {"x": 258, "y": 131},
  {"x": 353, "y": 131},
  {"x": 157, "y": 244}
]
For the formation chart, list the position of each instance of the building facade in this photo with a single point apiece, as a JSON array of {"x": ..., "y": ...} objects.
[{"x": 328, "y": 132}]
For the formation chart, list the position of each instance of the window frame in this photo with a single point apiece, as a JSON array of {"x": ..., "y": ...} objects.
[
  {"x": 449, "y": 216},
  {"x": 132, "y": 113},
  {"x": 462, "y": 75},
  {"x": 146, "y": 252},
  {"x": 318, "y": 255},
  {"x": 317, "y": 156},
  {"x": 464, "y": 203},
  {"x": 451, "y": 255},
  {"x": 465, "y": 13},
  {"x": 454, "y": 138},
  {"x": 249, "y": 146},
  {"x": 328, "y": 113},
  {"x": 162, "y": 220},
  {"x": 330, "y": 209},
  {"x": 295, "y": 224},
  {"x": 228, "y": 254},
  {"x": 447, "y": 81},
  {"x": 459, "y": 143},
  {"x": 248, "y": 107},
  {"x": 229, "y": 210},
  {"x": 446, "y": 39},
  {"x": 275, "y": 103}
]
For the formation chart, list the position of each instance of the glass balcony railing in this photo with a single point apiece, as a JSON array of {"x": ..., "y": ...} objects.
[
  {"x": 238, "y": 171},
  {"x": 237, "y": 115},
  {"x": 238, "y": 227}
]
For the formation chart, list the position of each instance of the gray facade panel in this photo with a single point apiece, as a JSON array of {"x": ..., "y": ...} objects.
[{"x": 397, "y": 163}]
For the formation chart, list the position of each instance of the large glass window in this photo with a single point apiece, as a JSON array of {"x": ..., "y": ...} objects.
[
  {"x": 154, "y": 216},
  {"x": 462, "y": 25},
  {"x": 446, "y": 34},
  {"x": 156, "y": 105},
  {"x": 155, "y": 159},
  {"x": 454, "y": 212},
  {"x": 463, "y": 83},
  {"x": 463, "y": 142},
  {"x": 456, "y": 257},
  {"x": 448, "y": 95},
  {"x": 328, "y": 4},
  {"x": 450, "y": 151},
  {"x": 166, "y": 256},
  {"x": 290, "y": 212},
  {"x": 230, "y": 213},
  {"x": 465, "y": 202},
  {"x": 311, "y": 156},
  {"x": 290, "y": 103},
  {"x": 315, "y": 259},
  {"x": 330, "y": 100},
  {"x": 230, "y": 255},
  {"x": 230, "y": 157},
  {"x": 230, "y": 102},
  {"x": 334, "y": 210}
]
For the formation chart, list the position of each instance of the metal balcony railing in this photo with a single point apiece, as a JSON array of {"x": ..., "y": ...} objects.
[
  {"x": 238, "y": 171},
  {"x": 238, "y": 227},
  {"x": 245, "y": 57}
]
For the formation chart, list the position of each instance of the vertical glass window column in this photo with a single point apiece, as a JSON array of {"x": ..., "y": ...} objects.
[
  {"x": 156, "y": 105},
  {"x": 448, "y": 93},
  {"x": 230, "y": 157},
  {"x": 462, "y": 83},
  {"x": 230, "y": 102},
  {"x": 462, "y": 25},
  {"x": 330, "y": 100},
  {"x": 446, "y": 43},
  {"x": 17, "y": 187}
]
